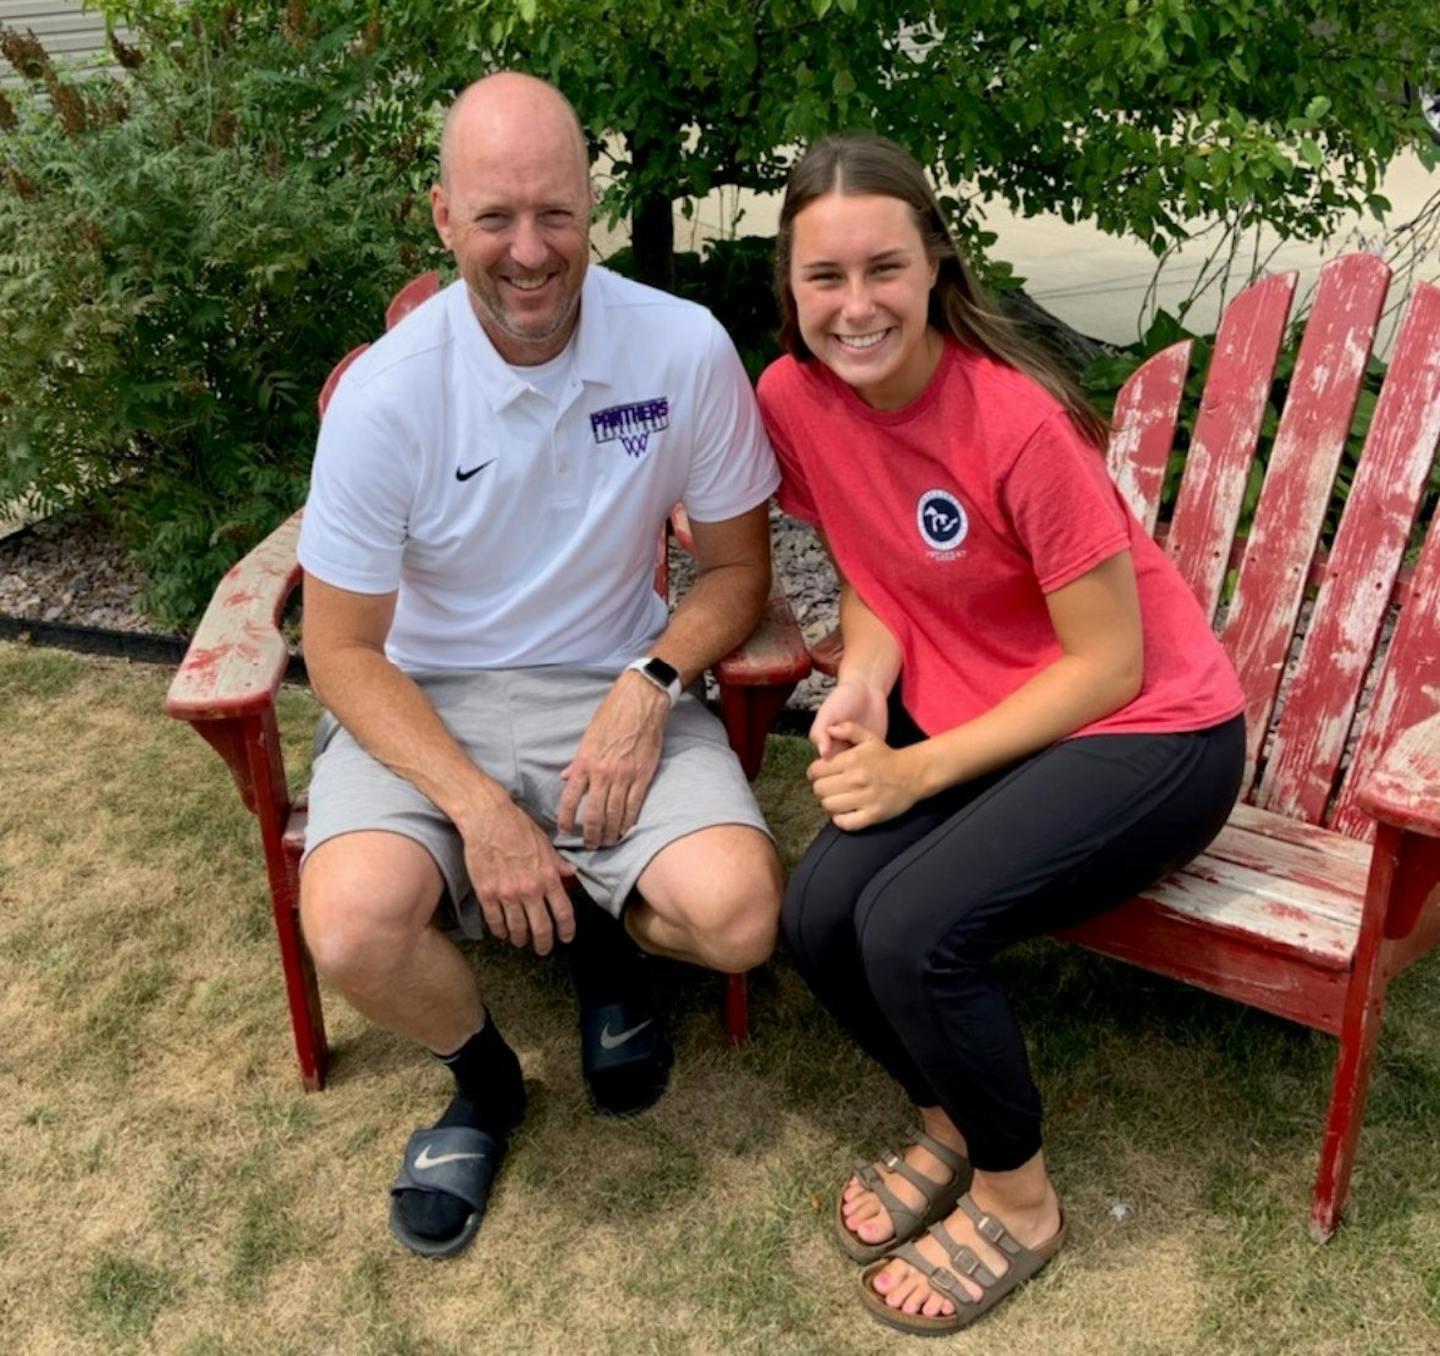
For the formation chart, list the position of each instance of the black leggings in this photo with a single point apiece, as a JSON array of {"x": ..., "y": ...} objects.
[{"x": 894, "y": 926}]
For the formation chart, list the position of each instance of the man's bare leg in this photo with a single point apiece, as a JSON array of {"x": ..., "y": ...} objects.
[
  {"x": 366, "y": 904},
  {"x": 711, "y": 898}
]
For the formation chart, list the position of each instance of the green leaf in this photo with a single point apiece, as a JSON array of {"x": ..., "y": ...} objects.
[
  {"x": 1311, "y": 153},
  {"x": 1317, "y": 108}
]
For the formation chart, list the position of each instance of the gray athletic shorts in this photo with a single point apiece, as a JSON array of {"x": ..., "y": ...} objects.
[{"x": 522, "y": 726}]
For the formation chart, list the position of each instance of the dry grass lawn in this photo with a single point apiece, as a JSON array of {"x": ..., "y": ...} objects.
[{"x": 169, "y": 1188}]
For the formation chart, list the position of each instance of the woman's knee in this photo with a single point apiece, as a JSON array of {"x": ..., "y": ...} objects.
[{"x": 905, "y": 939}]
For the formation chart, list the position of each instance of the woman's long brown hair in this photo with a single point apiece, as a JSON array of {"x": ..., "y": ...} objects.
[{"x": 858, "y": 163}]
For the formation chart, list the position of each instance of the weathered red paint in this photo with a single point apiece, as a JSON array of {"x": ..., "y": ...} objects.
[
  {"x": 1144, "y": 430},
  {"x": 1364, "y": 564},
  {"x": 416, "y": 291},
  {"x": 227, "y": 684},
  {"x": 1226, "y": 429},
  {"x": 1286, "y": 529}
]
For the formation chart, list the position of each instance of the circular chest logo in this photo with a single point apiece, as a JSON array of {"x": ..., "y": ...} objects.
[{"x": 941, "y": 520}]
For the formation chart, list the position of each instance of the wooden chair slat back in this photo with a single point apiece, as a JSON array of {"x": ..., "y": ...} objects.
[
  {"x": 1369, "y": 547},
  {"x": 1142, "y": 429},
  {"x": 1299, "y": 480},
  {"x": 1226, "y": 432},
  {"x": 419, "y": 289},
  {"x": 1408, "y": 690}
]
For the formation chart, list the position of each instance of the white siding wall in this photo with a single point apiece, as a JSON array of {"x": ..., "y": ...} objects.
[{"x": 66, "y": 28}]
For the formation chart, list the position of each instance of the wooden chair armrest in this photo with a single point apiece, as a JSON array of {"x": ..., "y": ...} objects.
[
  {"x": 237, "y": 656},
  {"x": 773, "y": 655},
  {"x": 827, "y": 652},
  {"x": 1403, "y": 788}
]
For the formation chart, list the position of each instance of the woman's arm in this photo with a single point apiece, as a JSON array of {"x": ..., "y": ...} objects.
[
  {"x": 868, "y": 669},
  {"x": 1097, "y": 622}
]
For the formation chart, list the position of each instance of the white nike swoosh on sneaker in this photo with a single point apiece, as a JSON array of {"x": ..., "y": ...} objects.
[
  {"x": 426, "y": 1160},
  {"x": 609, "y": 1042}
]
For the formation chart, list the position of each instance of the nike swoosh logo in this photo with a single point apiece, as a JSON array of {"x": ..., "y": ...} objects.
[
  {"x": 609, "y": 1042},
  {"x": 427, "y": 1160},
  {"x": 473, "y": 471}
]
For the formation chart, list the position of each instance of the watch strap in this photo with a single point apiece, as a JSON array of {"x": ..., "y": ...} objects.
[{"x": 642, "y": 666}]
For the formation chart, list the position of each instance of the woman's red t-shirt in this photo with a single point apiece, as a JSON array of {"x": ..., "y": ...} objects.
[{"x": 954, "y": 516}]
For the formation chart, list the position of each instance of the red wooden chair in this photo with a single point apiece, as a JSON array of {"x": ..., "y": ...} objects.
[
  {"x": 227, "y": 683},
  {"x": 1325, "y": 884}
]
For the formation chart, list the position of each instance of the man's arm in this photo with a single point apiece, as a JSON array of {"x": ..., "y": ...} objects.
[
  {"x": 620, "y": 750},
  {"x": 728, "y": 597},
  {"x": 516, "y": 872}
]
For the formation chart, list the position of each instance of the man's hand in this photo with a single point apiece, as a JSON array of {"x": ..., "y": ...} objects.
[
  {"x": 849, "y": 700},
  {"x": 518, "y": 877},
  {"x": 868, "y": 782},
  {"x": 616, "y": 761}
]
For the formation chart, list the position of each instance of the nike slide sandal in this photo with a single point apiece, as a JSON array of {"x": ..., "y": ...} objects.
[
  {"x": 625, "y": 1056},
  {"x": 455, "y": 1161}
]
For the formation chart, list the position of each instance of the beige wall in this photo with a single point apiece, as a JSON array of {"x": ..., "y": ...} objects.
[{"x": 65, "y": 27}]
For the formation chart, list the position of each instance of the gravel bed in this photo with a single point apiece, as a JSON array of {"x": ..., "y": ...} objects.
[{"x": 71, "y": 568}]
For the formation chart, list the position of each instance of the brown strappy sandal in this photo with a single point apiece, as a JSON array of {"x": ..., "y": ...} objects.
[
  {"x": 938, "y": 1198},
  {"x": 1024, "y": 1263}
]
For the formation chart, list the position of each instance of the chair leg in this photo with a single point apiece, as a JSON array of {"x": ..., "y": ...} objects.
[
  {"x": 302, "y": 991},
  {"x": 1359, "y": 1035},
  {"x": 737, "y": 1010},
  {"x": 748, "y": 713}
]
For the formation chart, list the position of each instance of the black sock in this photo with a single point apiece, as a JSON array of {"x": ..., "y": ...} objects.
[
  {"x": 606, "y": 966},
  {"x": 490, "y": 1096},
  {"x": 489, "y": 1088}
]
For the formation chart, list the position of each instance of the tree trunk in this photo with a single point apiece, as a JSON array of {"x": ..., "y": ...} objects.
[
  {"x": 652, "y": 220},
  {"x": 1071, "y": 349}
]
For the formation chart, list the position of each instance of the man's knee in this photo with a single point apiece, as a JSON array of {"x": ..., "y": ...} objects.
[
  {"x": 729, "y": 902},
  {"x": 363, "y": 903}
]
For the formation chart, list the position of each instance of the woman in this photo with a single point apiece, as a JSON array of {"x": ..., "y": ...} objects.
[{"x": 1068, "y": 729}]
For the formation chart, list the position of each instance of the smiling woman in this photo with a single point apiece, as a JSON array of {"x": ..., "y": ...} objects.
[{"x": 1031, "y": 719}]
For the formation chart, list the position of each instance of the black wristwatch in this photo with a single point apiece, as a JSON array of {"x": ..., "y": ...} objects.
[{"x": 657, "y": 671}]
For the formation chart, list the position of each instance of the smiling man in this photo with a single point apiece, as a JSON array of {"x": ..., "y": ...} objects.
[{"x": 509, "y": 727}]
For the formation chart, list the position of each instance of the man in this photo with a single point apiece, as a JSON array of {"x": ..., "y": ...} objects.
[{"x": 506, "y": 694}]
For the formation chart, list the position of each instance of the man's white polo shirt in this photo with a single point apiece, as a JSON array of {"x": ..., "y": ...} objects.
[{"x": 518, "y": 534}]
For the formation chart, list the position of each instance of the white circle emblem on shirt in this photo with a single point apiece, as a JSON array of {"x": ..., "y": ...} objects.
[{"x": 941, "y": 520}]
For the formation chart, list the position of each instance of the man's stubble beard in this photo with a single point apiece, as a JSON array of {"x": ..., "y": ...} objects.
[{"x": 491, "y": 309}]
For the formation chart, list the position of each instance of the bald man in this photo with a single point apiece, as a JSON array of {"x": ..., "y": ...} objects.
[{"x": 509, "y": 723}]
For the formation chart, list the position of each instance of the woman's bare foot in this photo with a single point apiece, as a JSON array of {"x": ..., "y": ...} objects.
[
  {"x": 1023, "y": 1201},
  {"x": 865, "y": 1216}
]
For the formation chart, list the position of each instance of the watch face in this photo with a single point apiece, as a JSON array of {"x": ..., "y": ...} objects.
[{"x": 661, "y": 671}]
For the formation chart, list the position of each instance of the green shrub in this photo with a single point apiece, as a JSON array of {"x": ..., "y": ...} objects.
[{"x": 184, "y": 253}]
